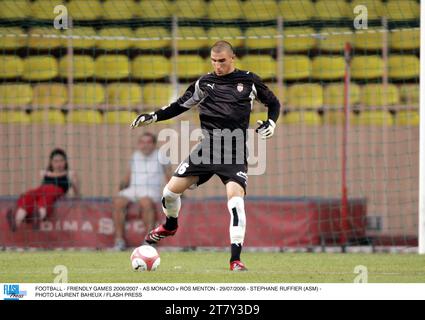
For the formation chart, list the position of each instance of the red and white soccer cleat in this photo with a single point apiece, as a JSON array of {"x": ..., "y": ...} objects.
[
  {"x": 237, "y": 266},
  {"x": 159, "y": 233}
]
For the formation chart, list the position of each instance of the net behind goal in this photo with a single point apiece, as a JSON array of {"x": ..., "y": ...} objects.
[{"x": 341, "y": 169}]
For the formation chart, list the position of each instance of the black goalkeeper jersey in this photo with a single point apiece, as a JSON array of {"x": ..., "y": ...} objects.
[{"x": 225, "y": 102}]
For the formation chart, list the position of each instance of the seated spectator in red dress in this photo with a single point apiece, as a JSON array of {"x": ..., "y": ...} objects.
[{"x": 37, "y": 204}]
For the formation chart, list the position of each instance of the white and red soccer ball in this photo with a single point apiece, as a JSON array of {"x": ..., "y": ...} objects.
[{"x": 145, "y": 258}]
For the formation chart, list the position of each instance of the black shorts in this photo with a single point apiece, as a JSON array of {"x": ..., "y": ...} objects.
[{"x": 226, "y": 172}]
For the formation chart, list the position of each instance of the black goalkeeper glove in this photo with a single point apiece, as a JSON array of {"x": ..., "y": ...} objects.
[
  {"x": 144, "y": 119},
  {"x": 266, "y": 128}
]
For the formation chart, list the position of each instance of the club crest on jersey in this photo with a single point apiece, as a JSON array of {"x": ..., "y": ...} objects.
[{"x": 239, "y": 87}]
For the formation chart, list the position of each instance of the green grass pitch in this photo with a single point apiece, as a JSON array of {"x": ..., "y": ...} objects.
[{"x": 192, "y": 267}]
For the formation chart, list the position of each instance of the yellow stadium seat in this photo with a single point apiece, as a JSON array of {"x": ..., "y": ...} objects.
[
  {"x": 332, "y": 9},
  {"x": 409, "y": 94},
  {"x": 11, "y": 38},
  {"x": 282, "y": 95},
  {"x": 43, "y": 9},
  {"x": 296, "y": 67},
  {"x": 208, "y": 66},
  {"x": 255, "y": 116},
  {"x": 375, "y": 8},
  {"x": 84, "y": 9},
  {"x": 117, "y": 43},
  {"x": 376, "y": 95},
  {"x": 14, "y": 117},
  {"x": 328, "y": 67},
  {"x": 403, "y": 66},
  {"x": 192, "y": 38},
  {"x": 373, "y": 118},
  {"x": 40, "y": 68},
  {"x": 299, "y": 39},
  {"x": 14, "y": 9},
  {"x": 159, "y": 37},
  {"x": 84, "y": 117},
  {"x": 333, "y": 117},
  {"x": 150, "y": 67},
  {"x": 157, "y": 94},
  {"x": 47, "y": 116},
  {"x": 405, "y": 39},
  {"x": 154, "y": 9},
  {"x": 123, "y": 95},
  {"x": 11, "y": 66},
  {"x": 305, "y": 96},
  {"x": 88, "y": 95},
  {"x": 261, "y": 37},
  {"x": 44, "y": 38},
  {"x": 119, "y": 117},
  {"x": 15, "y": 95},
  {"x": 333, "y": 95},
  {"x": 232, "y": 34},
  {"x": 112, "y": 66},
  {"x": 367, "y": 67},
  {"x": 402, "y": 9},
  {"x": 263, "y": 65},
  {"x": 118, "y": 9},
  {"x": 254, "y": 10},
  {"x": 82, "y": 66},
  {"x": 189, "y": 66},
  {"x": 190, "y": 9},
  {"x": 224, "y": 9},
  {"x": 369, "y": 39},
  {"x": 81, "y": 37},
  {"x": 334, "y": 39},
  {"x": 407, "y": 118},
  {"x": 49, "y": 95},
  {"x": 296, "y": 10},
  {"x": 309, "y": 118}
]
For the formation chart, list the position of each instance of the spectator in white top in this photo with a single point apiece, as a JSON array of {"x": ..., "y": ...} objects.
[{"x": 148, "y": 170}]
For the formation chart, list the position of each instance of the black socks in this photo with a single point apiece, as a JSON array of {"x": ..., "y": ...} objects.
[
  {"x": 236, "y": 252},
  {"x": 171, "y": 224}
]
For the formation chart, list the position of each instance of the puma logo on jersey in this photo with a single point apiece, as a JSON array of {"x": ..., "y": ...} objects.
[{"x": 211, "y": 85}]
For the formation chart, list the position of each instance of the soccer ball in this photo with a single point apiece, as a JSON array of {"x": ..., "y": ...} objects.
[{"x": 145, "y": 258}]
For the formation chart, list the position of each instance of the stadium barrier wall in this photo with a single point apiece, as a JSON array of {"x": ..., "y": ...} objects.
[
  {"x": 272, "y": 222},
  {"x": 302, "y": 161}
]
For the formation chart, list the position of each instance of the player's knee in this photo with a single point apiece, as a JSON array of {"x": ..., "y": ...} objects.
[
  {"x": 171, "y": 202},
  {"x": 170, "y": 196}
]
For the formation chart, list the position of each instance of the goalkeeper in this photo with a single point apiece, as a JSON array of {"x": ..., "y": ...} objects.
[{"x": 225, "y": 99}]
